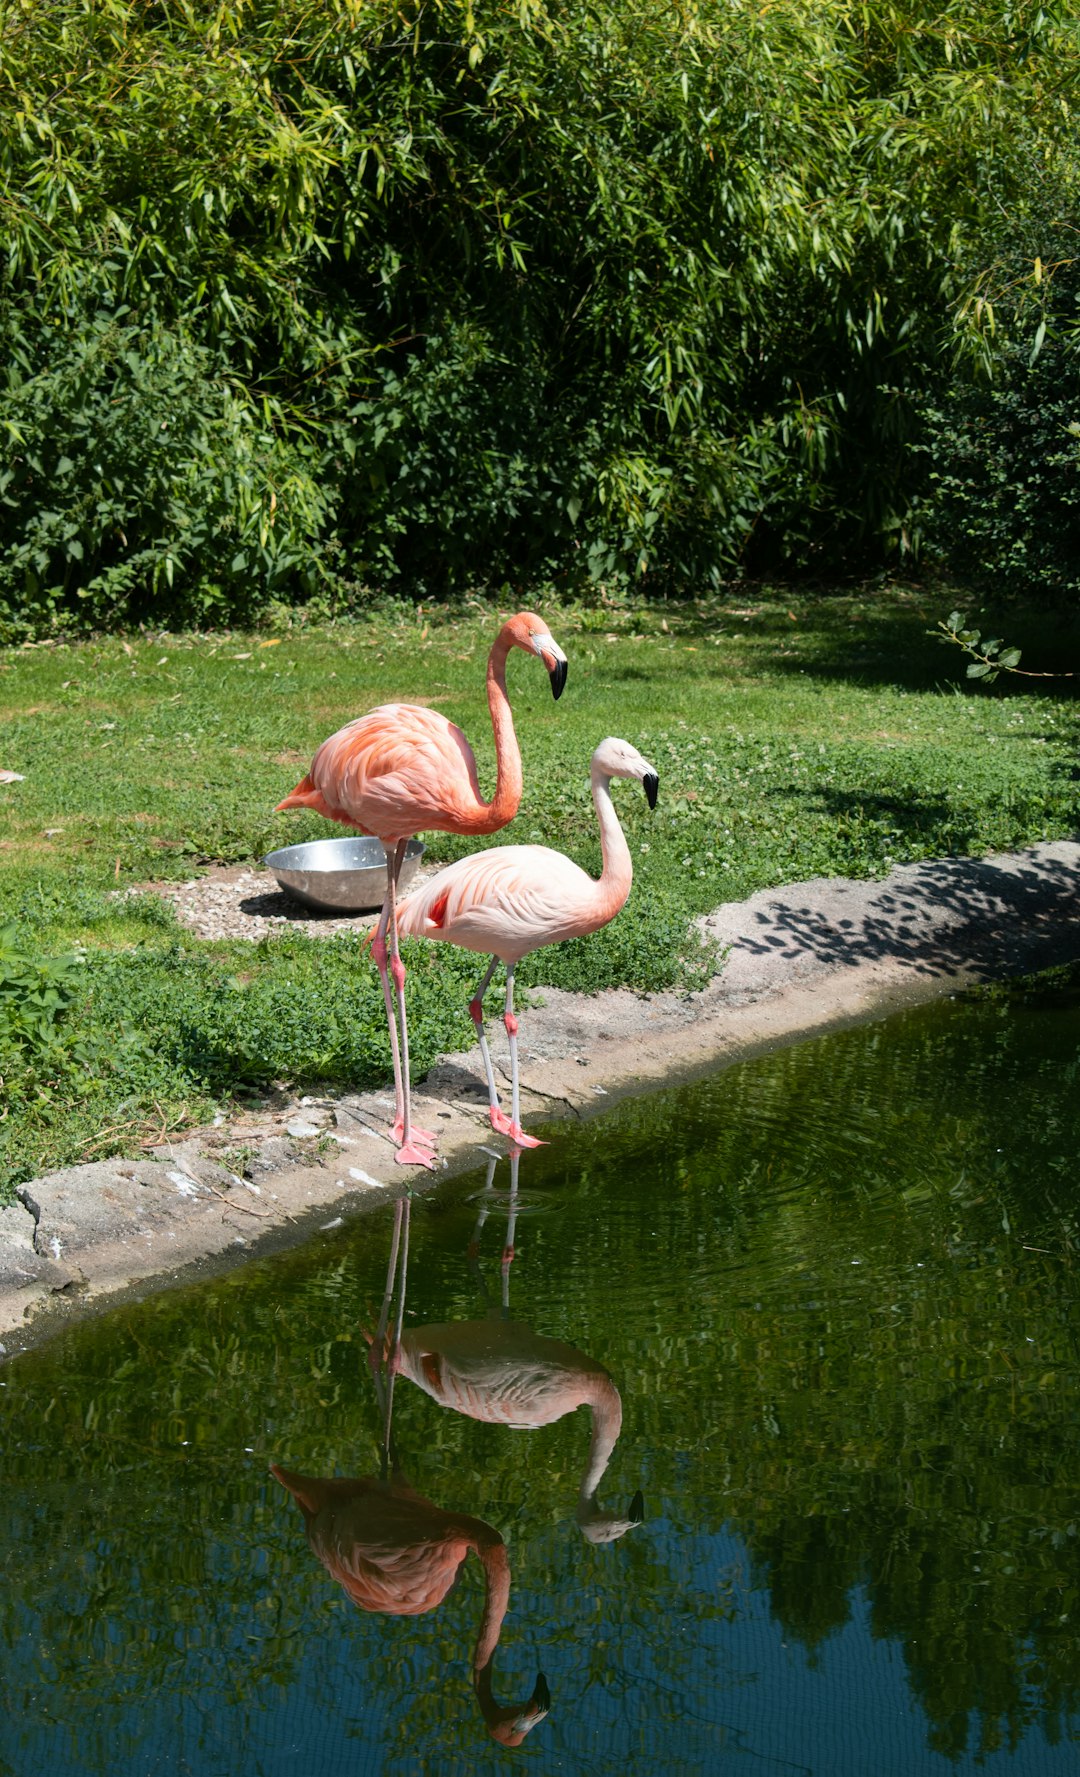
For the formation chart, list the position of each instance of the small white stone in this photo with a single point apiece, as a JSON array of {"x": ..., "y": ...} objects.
[
  {"x": 365, "y": 1178},
  {"x": 187, "y": 1187}
]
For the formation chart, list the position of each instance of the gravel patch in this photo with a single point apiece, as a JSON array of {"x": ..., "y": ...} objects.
[{"x": 246, "y": 903}]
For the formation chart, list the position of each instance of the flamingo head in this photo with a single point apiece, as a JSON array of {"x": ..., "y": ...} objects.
[
  {"x": 617, "y": 758},
  {"x": 597, "y": 1527},
  {"x": 510, "y": 1723},
  {"x": 531, "y": 633}
]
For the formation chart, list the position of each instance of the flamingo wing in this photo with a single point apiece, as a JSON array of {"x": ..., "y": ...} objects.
[
  {"x": 499, "y": 1372},
  {"x": 399, "y": 769},
  {"x": 509, "y": 901}
]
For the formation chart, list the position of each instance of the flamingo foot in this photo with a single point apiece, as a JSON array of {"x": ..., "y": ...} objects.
[
  {"x": 424, "y": 1138},
  {"x": 408, "y": 1154},
  {"x": 502, "y": 1125}
]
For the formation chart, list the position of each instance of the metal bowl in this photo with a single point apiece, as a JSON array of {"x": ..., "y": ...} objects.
[{"x": 339, "y": 875}]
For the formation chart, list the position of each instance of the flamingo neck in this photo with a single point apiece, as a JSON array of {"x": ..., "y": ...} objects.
[
  {"x": 496, "y": 1565},
  {"x": 618, "y": 872},
  {"x": 604, "y": 1400},
  {"x": 508, "y": 781}
]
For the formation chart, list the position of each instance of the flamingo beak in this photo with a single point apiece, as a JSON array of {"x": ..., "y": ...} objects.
[
  {"x": 555, "y": 661},
  {"x": 637, "y": 1508},
  {"x": 541, "y": 1697},
  {"x": 512, "y": 1730},
  {"x": 652, "y": 787}
]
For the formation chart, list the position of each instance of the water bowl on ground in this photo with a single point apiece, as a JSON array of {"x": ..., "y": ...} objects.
[{"x": 339, "y": 875}]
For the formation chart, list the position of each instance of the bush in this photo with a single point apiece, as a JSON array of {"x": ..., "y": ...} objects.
[
  {"x": 1001, "y": 510},
  {"x": 457, "y": 294},
  {"x": 137, "y": 482}
]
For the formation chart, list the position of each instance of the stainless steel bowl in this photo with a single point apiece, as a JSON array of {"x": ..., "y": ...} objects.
[{"x": 339, "y": 875}]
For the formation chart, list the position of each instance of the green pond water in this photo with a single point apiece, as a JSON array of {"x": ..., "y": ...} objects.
[{"x": 836, "y": 1288}]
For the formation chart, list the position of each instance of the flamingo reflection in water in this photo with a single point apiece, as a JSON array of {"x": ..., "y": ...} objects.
[
  {"x": 394, "y": 1551},
  {"x": 500, "y": 1371}
]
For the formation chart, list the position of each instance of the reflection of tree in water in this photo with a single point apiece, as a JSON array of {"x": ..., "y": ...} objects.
[{"x": 899, "y": 1399}]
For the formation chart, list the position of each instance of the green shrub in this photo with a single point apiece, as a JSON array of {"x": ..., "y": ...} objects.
[
  {"x": 138, "y": 482},
  {"x": 449, "y": 295},
  {"x": 1001, "y": 511},
  {"x": 35, "y": 995}
]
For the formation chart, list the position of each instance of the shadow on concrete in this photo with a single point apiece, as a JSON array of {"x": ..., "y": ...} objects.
[{"x": 976, "y": 917}]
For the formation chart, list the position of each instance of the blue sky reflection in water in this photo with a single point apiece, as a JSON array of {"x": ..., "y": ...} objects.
[{"x": 836, "y": 1288}]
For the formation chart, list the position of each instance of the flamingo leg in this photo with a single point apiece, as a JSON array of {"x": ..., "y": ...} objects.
[
  {"x": 384, "y": 1356},
  {"x": 496, "y": 1114},
  {"x": 413, "y": 1145},
  {"x": 473, "y": 1250},
  {"x": 500, "y": 1122},
  {"x": 515, "y": 1131},
  {"x": 393, "y": 1362},
  {"x": 511, "y": 1221}
]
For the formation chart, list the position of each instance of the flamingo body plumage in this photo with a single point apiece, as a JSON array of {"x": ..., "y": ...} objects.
[
  {"x": 514, "y": 899},
  {"x": 393, "y": 1551},
  {"x": 503, "y": 1373},
  {"x": 398, "y": 770},
  {"x": 403, "y": 769}
]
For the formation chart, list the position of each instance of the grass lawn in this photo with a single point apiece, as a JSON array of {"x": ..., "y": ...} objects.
[{"x": 793, "y": 737}]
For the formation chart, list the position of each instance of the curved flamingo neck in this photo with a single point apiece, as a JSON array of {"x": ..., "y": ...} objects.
[
  {"x": 508, "y": 780},
  {"x": 496, "y": 1565},
  {"x": 618, "y": 872},
  {"x": 604, "y": 1399}
]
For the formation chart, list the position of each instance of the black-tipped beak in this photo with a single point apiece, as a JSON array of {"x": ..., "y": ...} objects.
[
  {"x": 637, "y": 1508},
  {"x": 652, "y": 788},
  {"x": 557, "y": 675},
  {"x": 541, "y": 1697}
]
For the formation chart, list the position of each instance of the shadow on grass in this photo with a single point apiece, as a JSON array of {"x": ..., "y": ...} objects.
[{"x": 882, "y": 639}]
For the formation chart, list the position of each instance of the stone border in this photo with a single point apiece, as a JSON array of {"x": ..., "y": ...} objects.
[{"x": 794, "y": 960}]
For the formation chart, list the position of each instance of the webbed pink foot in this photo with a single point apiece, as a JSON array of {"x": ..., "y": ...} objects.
[
  {"x": 502, "y": 1125},
  {"x": 408, "y": 1154}
]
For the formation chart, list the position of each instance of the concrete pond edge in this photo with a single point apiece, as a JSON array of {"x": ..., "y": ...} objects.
[{"x": 792, "y": 961}]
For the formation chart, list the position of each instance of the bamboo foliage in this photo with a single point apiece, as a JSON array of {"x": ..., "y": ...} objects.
[{"x": 469, "y": 291}]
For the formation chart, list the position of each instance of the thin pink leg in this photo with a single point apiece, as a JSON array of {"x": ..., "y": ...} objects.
[
  {"x": 498, "y": 1118},
  {"x": 511, "y": 1220},
  {"x": 515, "y": 1131},
  {"x": 378, "y": 951},
  {"x": 413, "y": 1145}
]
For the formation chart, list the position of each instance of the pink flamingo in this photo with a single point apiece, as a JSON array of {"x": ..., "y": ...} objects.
[
  {"x": 501, "y": 1372},
  {"x": 516, "y": 898},
  {"x": 392, "y": 1550},
  {"x": 404, "y": 769}
]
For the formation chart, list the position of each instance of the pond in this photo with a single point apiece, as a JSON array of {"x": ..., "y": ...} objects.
[{"x": 819, "y": 1311}]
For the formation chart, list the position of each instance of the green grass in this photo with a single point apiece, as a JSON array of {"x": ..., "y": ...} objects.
[{"x": 792, "y": 738}]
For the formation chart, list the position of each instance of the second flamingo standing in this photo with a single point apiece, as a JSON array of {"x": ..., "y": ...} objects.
[{"x": 516, "y": 898}]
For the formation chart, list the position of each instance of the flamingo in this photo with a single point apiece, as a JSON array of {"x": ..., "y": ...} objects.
[
  {"x": 392, "y": 1550},
  {"x": 516, "y": 898},
  {"x": 501, "y": 1372},
  {"x": 403, "y": 769}
]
